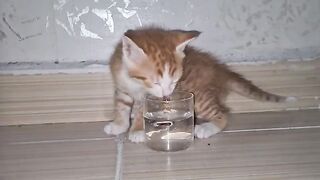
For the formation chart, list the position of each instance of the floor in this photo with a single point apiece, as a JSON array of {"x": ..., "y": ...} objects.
[
  {"x": 60, "y": 98},
  {"x": 270, "y": 145}
]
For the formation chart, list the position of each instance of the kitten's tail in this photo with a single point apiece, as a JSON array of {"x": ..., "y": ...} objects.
[{"x": 246, "y": 88}]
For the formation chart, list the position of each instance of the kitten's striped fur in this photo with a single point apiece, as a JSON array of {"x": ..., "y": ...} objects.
[{"x": 158, "y": 61}]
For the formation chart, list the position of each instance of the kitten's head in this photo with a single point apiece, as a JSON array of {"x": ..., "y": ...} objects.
[{"x": 154, "y": 57}]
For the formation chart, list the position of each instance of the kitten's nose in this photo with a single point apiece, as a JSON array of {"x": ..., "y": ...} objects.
[
  {"x": 166, "y": 92},
  {"x": 166, "y": 98}
]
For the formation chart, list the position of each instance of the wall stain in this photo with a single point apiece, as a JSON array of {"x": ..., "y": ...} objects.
[
  {"x": 289, "y": 20},
  {"x": 249, "y": 20},
  {"x": 240, "y": 33},
  {"x": 2, "y": 35},
  {"x": 30, "y": 20},
  {"x": 254, "y": 28},
  {"x": 306, "y": 32},
  {"x": 244, "y": 9},
  {"x": 256, "y": 15},
  {"x": 20, "y": 38},
  {"x": 13, "y": 8},
  {"x": 31, "y": 36},
  {"x": 11, "y": 28},
  {"x": 265, "y": 2}
]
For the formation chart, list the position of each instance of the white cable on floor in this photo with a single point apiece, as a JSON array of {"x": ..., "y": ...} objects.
[{"x": 118, "y": 175}]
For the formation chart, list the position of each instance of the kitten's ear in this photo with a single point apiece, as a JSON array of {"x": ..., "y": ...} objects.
[
  {"x": 131, "y": 51},
  {"x": 184, "y": 38}
]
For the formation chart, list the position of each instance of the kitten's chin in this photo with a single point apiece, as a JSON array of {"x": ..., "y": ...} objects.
[
  {"x": 154, "y": 95},
  {"x": 158, "y": 95}
]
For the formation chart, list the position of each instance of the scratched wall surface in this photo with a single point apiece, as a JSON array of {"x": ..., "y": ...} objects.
[{"x": 80, "y": 30}]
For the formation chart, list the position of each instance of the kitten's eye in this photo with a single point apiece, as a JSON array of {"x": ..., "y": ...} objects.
[
  {"x": 174, "y": 82},
  {"x": 139, "y": 78},
  {"x": 157, "y": 83}
]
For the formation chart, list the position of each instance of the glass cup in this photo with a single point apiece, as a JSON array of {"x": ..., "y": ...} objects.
[{"x": 169, "y": 123}]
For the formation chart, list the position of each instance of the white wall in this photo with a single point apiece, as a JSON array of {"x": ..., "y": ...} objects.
[{"x": 71, "y": 31}]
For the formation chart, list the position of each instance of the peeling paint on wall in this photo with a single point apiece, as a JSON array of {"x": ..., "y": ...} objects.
[
  {"x": 87, "y": 33},
  {"x": 84, "y": 11},
  {"x": 47, "y": 22},
  {"x": 235, "y": 31},
  {"x": 71, "y": 22},
  {"x": 139, "y": 20},
  {"x": 106, "y": 16},
  {"x": 112, "y": 5},
  {"x": 58, "y": 5},
  {"x": 75, "y": 16},
  {"x": 61, "y": 24},
  {"x": 127, "y": 2},
  {"x": 126, "y": 13}
]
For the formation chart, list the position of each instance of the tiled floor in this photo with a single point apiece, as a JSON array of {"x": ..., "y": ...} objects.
[
  {"x": 60, "y": 98},
  {"x": 273, "y": 145}
]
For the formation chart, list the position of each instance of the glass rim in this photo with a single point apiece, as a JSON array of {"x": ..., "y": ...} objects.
[{"x": 189, "y": 96}]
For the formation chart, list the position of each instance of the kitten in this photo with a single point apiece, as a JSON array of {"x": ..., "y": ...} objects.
[{"x": 158, "y": 61}]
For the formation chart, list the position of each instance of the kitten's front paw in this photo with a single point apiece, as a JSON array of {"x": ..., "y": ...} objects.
[
  {"x": 136, "y": 136},
  {"x": 115, "y": 129},
  {"x": 206, "y": 130}
]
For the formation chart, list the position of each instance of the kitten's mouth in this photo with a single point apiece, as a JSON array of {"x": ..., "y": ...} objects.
[
  {"x": 166, "y": 98},
  {"x": 166, "y": 104}
]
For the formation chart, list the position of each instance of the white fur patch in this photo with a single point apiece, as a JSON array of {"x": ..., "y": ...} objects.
[
  {"x": 125, "y": 82},
  {"x": 166, "y": 81},
  {"x": 206, "y": 130},
  {"x": 291, "y": 99},
  {"x": 115, "y": 129},
  {"x": 137, "y": 136}
]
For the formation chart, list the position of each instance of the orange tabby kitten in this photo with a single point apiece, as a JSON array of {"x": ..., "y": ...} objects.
[{"x": 158, "y": 61}]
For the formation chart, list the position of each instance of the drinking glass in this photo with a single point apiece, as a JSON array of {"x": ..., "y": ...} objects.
[{"x": 169, "y": 122}]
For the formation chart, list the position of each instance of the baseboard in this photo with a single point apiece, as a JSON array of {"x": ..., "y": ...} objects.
[{"x": 57, "y": 98}]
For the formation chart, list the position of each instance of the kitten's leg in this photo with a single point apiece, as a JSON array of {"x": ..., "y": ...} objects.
[
  {"x": 215, "y": 116},
  {"x": 136, "y": 132},
  {"x": 123, "y": 103}
]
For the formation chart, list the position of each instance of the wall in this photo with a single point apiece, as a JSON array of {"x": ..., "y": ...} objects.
[{"x": 74, "y": 34}]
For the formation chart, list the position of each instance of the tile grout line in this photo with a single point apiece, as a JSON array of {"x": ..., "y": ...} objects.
[
  {"x": 120, "y": 139},
  {"x": 59, "y": 141},
  {"x": 118, "y": 173},
  {"x": 271, "y": 129}
]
